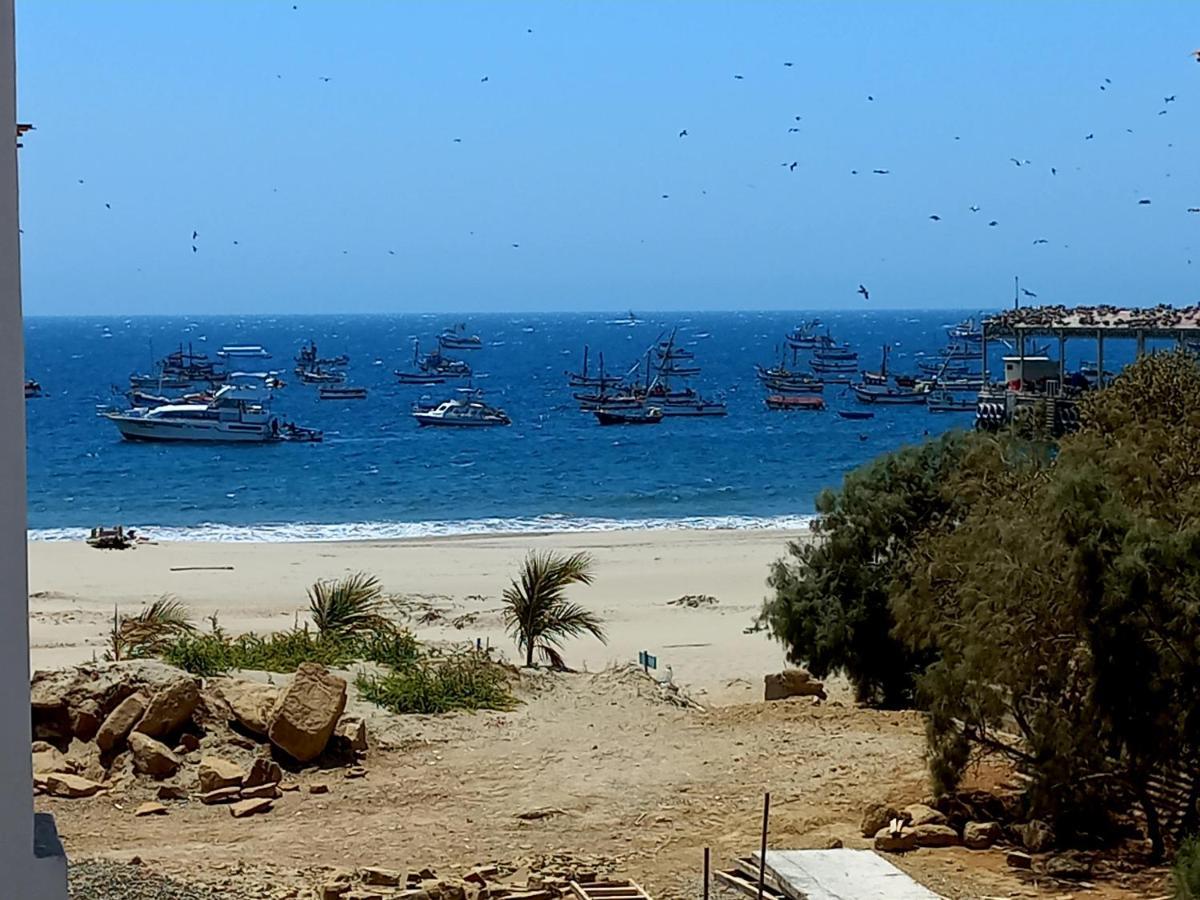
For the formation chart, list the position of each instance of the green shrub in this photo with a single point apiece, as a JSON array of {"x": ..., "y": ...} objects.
[
  {"x": 283, "y": 651},
  {"x": 1185, "y": 873},
  {"x": 470, "y": 681}
]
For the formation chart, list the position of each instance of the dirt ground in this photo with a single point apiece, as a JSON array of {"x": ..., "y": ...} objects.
[{"x": 624, "y": 776}]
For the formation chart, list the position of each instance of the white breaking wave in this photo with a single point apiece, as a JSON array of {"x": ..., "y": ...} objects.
[{"x": 385, "y": 531}]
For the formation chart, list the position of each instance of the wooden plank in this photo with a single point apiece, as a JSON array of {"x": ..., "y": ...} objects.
[
  {"x": 842, "y": 875},
  {"x": 739, "y": 882}
]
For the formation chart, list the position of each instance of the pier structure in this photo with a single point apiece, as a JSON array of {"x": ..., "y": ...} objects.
[{"x": 1033, "y": 378}]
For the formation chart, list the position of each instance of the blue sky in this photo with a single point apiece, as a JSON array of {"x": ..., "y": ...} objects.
[{"x": 352, "y": 194}]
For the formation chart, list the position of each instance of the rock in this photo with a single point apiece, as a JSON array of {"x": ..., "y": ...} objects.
[
  {"x": 832, "y": 844},
  {"x": 318, "y": 788},
  {"x": 84, "y": 757},
  {"x": 120, "y": 722},
  {"x": 334, "y": 890},
  {"x": 85, "y": 719},
  {"x": 249, "y": 702},
  {"x": 172, "y": 792},
  {"x": 306, "y": 712},
  {"x": 54, "y": 694},
  {"x": 353, "y": 730},
  {"x": 169, "y": 708},
  {"x": 876, "y": 816},
  {"x": 61, "y": 784},
  {"x": 221, "y": 795},
  {"x": 260, "y": 790},
  {"x": 889, "y": 841},
  {"x": 215, "y": 773},
  {"x": 931, "y": 835},
  {"x": 151, "y": 757},
  {"x": 150, "y": 808},
  {"x": 792, "y": 683},
  {"x": 263, "y": 771},
  {"x": 189, "y": 742},
  {"x": 290, "y": 786},
  {"x": 356, "y": 772},
  {"x": 1069, "y": 866},
  {"x": 380, "y": 877},
  {"x": 920, "y": 814},
  {"x": 362, "y": 894},
  {"x": 1036, "y": 836},
  {"x": 50, "y": 760},
  {"x": 1018, "y": 860},
  {"x": 980, "y": 835},
  {"x": 244, "y": 808}
]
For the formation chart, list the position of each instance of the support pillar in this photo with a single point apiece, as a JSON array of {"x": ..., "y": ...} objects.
[
  {"x": 32, "y": 863},
  {"x": 1099, "y": 359},
  {"x": 1062, "y": 360}
]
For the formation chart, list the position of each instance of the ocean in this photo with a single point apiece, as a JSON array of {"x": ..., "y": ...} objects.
[{"x": 378, "y": 475}]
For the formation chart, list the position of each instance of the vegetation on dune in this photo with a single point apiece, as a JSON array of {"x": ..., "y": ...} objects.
[
  {"x": 347, "y": 606},
  {"x": 536, "y": 611},
  {"x": 1042, "y": 603},
  {"x": 146, "y": 634},
  {"x": 466, "y": 681}
]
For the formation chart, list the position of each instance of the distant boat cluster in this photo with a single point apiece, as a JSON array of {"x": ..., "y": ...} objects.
[
  {"x": 653, "y": 388},
  {"x": 468, "y": 409}
]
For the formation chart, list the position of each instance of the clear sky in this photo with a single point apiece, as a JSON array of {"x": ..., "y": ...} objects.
[{"x": 352, "y": 194}]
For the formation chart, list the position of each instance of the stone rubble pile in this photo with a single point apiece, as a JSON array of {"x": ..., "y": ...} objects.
[
  {"x": 545, "y": 878},
  {"x": 110, "y": 726}
]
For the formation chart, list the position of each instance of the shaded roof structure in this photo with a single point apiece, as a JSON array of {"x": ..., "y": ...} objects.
[{"x": 1114, "y": 321}]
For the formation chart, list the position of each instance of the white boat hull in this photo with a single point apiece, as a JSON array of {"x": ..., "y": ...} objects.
[{"x": 134, "y": 428}]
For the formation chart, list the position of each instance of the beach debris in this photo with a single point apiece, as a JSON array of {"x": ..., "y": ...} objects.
[
  {"x": 980, "y": 835},
  {"x": 693, "y": 601},
  {"x": 117, "y": 538},
  {"x": 151, "y": 757},
  {"x": 792, "y": 683},
  {"x": 307, "y": 711}
]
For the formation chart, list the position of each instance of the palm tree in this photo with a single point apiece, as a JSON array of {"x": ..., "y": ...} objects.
[
  {"x": 348, "y": 606},
  {"x": 150, "y": 631},
  {"x": 536, "y": 612}
]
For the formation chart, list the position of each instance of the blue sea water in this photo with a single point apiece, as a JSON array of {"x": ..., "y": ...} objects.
[{"x": 378, "y": 475}]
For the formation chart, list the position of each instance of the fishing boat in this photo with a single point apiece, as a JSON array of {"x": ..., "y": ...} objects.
[
  {"x": 945, "y": 401},
  {"x": 180, "y": 370},
  {"x": 905, "y": 381},
  {"x": 695, "y": 408},
  {"x": 342, "y": 393},
  {"x": 650, "y": 415},
  {"x": 947, "y": 367},
  {"x": 308, "y": 358},
  {"x": 630, "y": 319},
  {"x": 235, "y": 415},
  {"x": 421, "y": 378},
  {"x": 793, "y": 402},
  {"x": 785, "y": 381},
  {"x": 848, "y": 366},
  {"x": 584, "y": 378},
  {"x": 880, "y": 377},
  {"x": 624, "y": 400},
  {"x": 805, "y": 337},
  {"x": 470, "y": 412},
  {"x": 838, "y": 377},
  {"x": 856, "y": 414},
  {"x": 834, "y": 352},
  {"x": 319, "y": 375},
  {"x": 958, "y": 383},
  {"x": 32, "y": 389},
  {"x": 433, "y": 365},
  {"x": 243, "y": 351},
  {"x": 967, "y": 330},
  {"x": 882, "y": 394},
  {"x": 456, "y": 338}
]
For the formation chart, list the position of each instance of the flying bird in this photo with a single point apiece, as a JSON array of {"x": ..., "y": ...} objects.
[
  {"x": 683, "y": 133},
  {"x": 483, "y": 79},
  {"x": 1053, "y": 171},
  {"x": 1195, "y": 209},
  {"x": 973, "y": 208},
  {"x": 1108, "y": 81},
  {"x": 458, "y": 140},
  {"x": 1089, "y": 137},
  {"x": 195, "y": 234},
  {"x": 1170, "y": 99},
  {"x": 1196, "y": 53},
  {"x": 324, "y": 78},
  {"x": 1102, "y": 87},
  {"x": 1162, "y": 112},
  {"x": 193, "y": 248},
  {"x": 516, "y": 245},
  {"x": 993, "y": 223},
  {"x": 1016, "y": 162},
  {"x": 1029, "y": 293},
  {"x": 1145, "y": 201},
  {"x": 108, "y": 206},
  {"x": 869, "y": 97},
  {"x": 1041, "y": 241},
  {"x": 81, "y": 181},
  {"x": 866, "y": 294},
  {"x": 737, "y": 77},
  {"x": 793, "y": 130},
  {"x": 936, "y": 218},
  {"x": 882, "y": 171},
  {"x": 391, "y": 253},
  {"x": 666, "y": 196},
  {"x": 854, "y": 171},
  {"x": 792, "y": 167},
  {"x": 788, "y": 64}
]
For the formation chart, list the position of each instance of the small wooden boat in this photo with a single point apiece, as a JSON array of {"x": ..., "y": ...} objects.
[
  {"x": 419, "y": 378},
  {"x": 32, "y": 389},
  {"x": 944, "y": 401},
  {"x": 795, "y": 402},
  {"x": 322, "y": 376},
  {"x": 342, "y": 393},
  {"x": 856, "y": 414},
  {"x": 649, "y": 416}
]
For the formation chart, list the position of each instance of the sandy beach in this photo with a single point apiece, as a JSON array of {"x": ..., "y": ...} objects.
[{"x": 447, "y": 589}]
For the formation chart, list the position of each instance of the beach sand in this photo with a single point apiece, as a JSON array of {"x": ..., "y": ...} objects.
[{"x": 449, "y": 587}]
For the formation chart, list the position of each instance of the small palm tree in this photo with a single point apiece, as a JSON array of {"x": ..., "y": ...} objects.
[
  {"x": 537, "y": 613},
  {"x": 150, "y": 631},
  {"x": 348, "y": 606}
]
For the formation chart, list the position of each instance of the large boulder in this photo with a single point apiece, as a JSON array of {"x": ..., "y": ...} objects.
[
  {"x": 47, "y": 759},
  {"x": 306, "y": 712},
  {"x": 250, "y": 703},
  {"x": 216, "y": 773},
  {"x": 151, "y": 757},
  {"x": 120, "y": 722},
  {"x": 1036, "y": 836},
  {"x": 792, "y": 683},
  {"x": 59, "y": 699},
  {"x": 920, "y": 814},
  {"x": 900, "y": 841},
  {"x": 930, "y": 835},
  {"x": 170, "y": 708},
  {"x": 85, "y": 719},
  {"x": 61, "y": 784},
  {"x": 876, "y": 816},
  {"x": 263, "y": 771},
  {"x": 980, "y": 835}
]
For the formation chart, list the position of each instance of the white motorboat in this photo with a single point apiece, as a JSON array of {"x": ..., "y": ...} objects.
[
  {"x": 470, "y": 413},
  {"x": 243, "y": 351},
  {"x": 236, "y": 414}
]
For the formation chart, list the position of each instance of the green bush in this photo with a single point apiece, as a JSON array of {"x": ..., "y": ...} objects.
[
  {"x": 211, "y": 654},
  {"x": 470, "y": 681},
  {"x": 1185, "y": 873}
]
